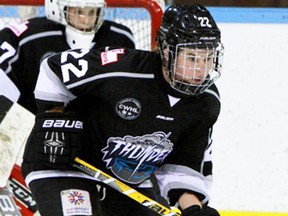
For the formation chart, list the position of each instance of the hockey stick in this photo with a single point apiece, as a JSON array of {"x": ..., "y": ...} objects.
[
  {"x": 125, "y": 189},
  {"x": 16, "y": 124},
  {"x": 7, "y": 204},
  {"x": 21, "y": 193}
]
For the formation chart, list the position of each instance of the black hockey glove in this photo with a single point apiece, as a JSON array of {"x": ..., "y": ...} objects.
[
  {"x": 58, "y": 137},
  {"x": 196, "y": 210}
]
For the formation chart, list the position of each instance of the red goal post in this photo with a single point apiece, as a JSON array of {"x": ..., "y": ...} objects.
[{"x": 143, "y": 16}]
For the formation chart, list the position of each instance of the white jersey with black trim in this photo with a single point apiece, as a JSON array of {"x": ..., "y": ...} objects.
[{"x": 137, "y": 123}]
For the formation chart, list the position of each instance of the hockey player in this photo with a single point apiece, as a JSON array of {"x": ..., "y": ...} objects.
[
  {"x": 68, "y": 24},
  {"x": 145, "y": 118}
]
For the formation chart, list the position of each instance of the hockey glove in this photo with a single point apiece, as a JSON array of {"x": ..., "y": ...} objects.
[
  {"x": 58, "y": 137},
  {"x": 196, "y": 210}
]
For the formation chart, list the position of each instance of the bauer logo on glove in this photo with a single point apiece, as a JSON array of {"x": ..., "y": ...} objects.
[
  {"x": 56, "y": 139},
  {"x": 62, "y": 124}
]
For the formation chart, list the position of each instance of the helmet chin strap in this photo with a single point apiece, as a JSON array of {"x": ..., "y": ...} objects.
[{"x": 77, "y": 39}]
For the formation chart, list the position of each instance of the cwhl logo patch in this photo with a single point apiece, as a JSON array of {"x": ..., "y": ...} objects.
[
  {"x": 128, "y": 108},
  {"x": 110, "y": 56}
]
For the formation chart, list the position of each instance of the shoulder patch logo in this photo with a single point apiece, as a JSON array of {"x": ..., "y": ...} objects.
[
  {"x": 19, "y": 28},
  {"x": 110, "y": 56},
  {"x": 128, "y": 108}
]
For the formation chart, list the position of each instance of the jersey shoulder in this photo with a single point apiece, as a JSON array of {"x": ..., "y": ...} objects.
[
  {"x": 213, "y": 91},
  {"x": 114, "y": 34},
  {"x": 212, "y": 100},
  {"x": 129, "y": 60},
  {"x": 111, "y": 24},
  {"x": 32, "y": 26},
  {"x": 81, "y": 64},
  {"x": 42, "y": 24}
]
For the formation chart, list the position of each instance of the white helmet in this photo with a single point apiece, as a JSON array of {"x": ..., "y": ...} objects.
[{"x": 71, "y": 13}]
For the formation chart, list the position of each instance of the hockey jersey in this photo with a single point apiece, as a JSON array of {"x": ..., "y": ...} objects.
[{"x": 137, "y": 124}]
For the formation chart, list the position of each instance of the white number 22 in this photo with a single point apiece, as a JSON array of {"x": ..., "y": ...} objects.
[
  {"x": 69, "y": 67},
  {"x": 204, "y": 22}
]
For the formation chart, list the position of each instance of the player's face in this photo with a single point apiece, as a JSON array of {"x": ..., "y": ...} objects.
[
  {"x": 193, "y": 65},
  {"x": 82, "y": 18}
]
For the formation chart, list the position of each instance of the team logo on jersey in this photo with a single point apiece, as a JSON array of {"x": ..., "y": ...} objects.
[
  {"x": 134, "y": 159},
  {"x": 128, "y": 108},
  {"x": 76, "y": 198}
]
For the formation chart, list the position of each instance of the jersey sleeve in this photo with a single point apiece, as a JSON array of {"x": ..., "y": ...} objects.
[
  {"x": 10, "y": 43},
  {"x": 9, "y": 46},
  {"x": 128, "y": 37},
  {"x": 62, "y": 75},
  {"x": 50, "y": 88},
  {"x": 7, "y": 87},
  {"x": 188, "y": 172},
  {"x": 115, "y": 35}
]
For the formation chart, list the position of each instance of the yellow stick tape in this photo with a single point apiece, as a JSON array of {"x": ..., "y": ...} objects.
[{"x": 233, "y": 213}]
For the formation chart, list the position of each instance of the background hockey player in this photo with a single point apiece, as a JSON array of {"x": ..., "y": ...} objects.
[
  {"x": 68, "y": 24},
  {"x": 145, "y": 118}
]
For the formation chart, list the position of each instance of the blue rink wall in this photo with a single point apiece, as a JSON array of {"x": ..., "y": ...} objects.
[
  {"x": 229, "y": 14},
  {"x": 249, "y": 15}
]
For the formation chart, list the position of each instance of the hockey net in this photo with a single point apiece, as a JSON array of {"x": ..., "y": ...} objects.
[{"x": 143, "y": 17}]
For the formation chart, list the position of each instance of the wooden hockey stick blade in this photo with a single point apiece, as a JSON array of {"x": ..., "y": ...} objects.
[
  {"x": 101, "y": 176},
  {"x": 16, "y": 124}
]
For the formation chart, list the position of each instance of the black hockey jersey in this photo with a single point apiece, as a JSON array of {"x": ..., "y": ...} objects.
[
  {"x": 23, "y": 47},
  {"x": 137, "y": 123}
]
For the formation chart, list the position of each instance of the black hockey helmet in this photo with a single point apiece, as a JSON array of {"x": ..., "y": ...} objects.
[{"x": 186, "y": 26}]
